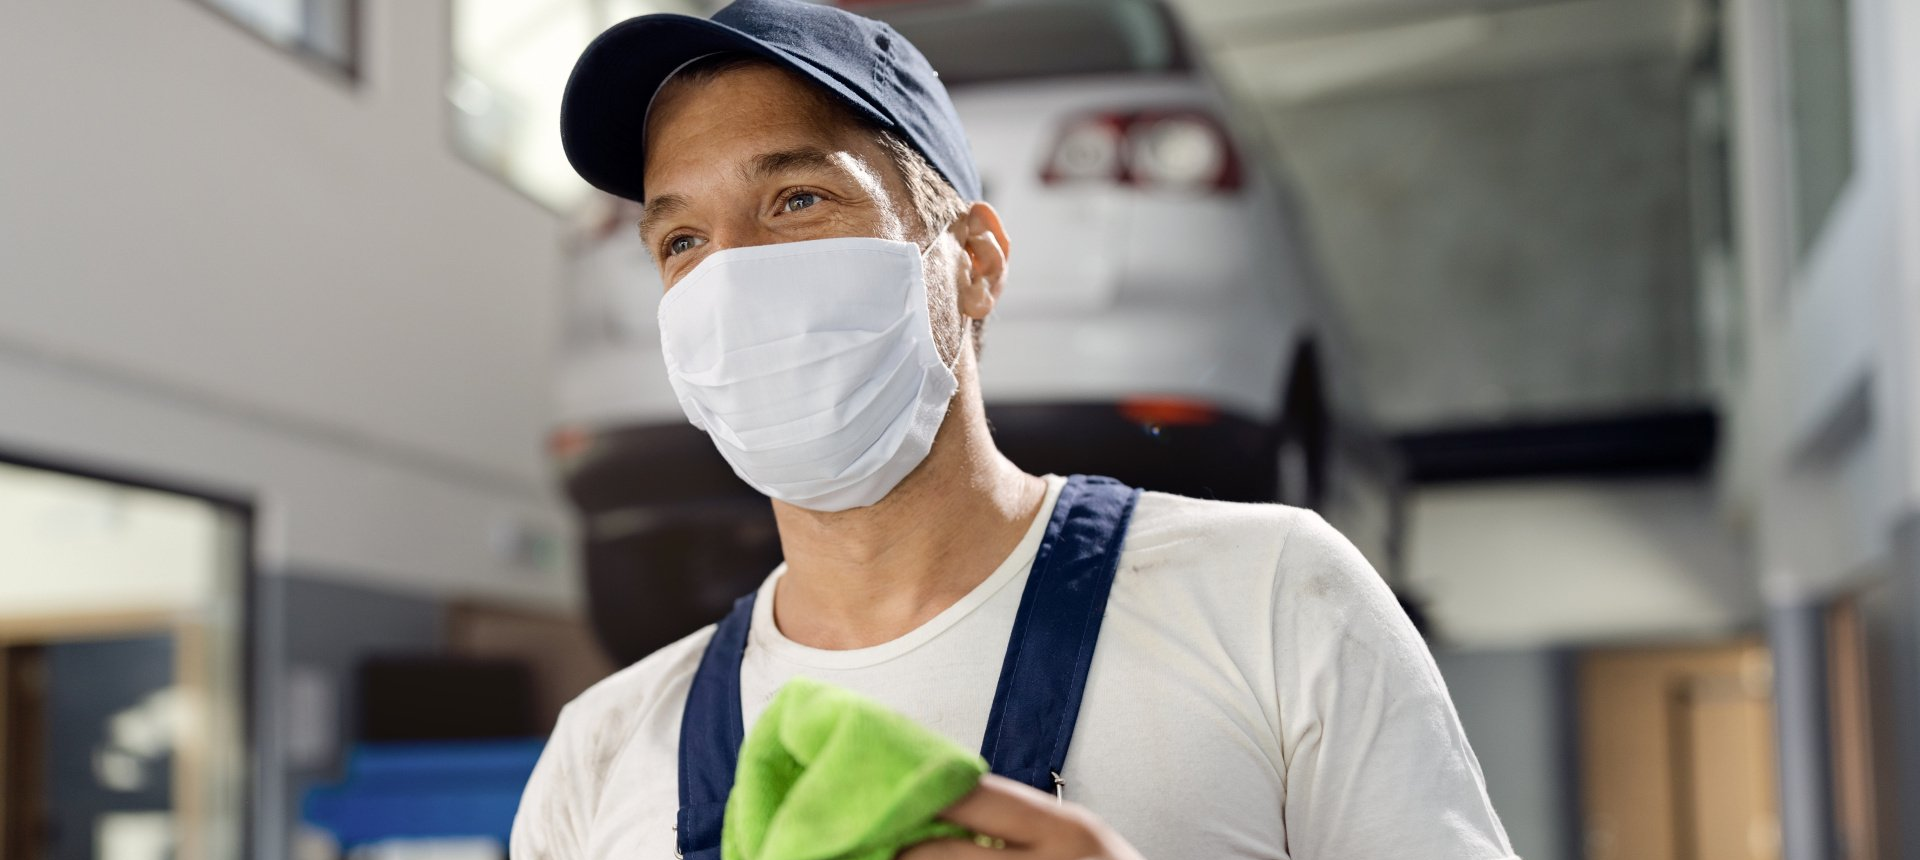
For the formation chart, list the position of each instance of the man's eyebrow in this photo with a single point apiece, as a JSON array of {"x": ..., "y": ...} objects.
[
  {"x": 659, "y": 209},
  {"x": 798, "y": 158}
]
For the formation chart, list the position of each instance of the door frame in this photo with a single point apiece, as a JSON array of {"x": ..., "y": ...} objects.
[{"x": 241, "y": 510}]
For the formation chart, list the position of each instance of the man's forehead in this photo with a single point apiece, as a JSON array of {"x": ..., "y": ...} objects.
[
  {"x": 757, "y": 101},
  {"x": 752, "y": 122}
]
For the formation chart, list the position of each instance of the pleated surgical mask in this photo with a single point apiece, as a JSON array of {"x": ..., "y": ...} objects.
[{"x": 811, "y": 364}]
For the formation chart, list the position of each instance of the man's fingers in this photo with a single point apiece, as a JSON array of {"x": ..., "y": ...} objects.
[
  {"x": 1031, "y": 824},
  {"x": 951, "y": 849},
  {"x": 998, "y": 809},
  {"x": 1008, "y": 810}
]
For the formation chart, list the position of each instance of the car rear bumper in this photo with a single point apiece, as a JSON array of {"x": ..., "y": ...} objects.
[
  {"x": 673, "y": 470},
  {"x": 668, "y": 466},
  {"x": 1235, "y": 361},
  {"x": 673, "y": 536},
  {"x": 1224, "y": 457}
]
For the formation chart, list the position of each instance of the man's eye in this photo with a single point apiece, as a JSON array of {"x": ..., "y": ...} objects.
[
  {"x": 680, "y": 244},
  {"x": 800, "y": 200}
]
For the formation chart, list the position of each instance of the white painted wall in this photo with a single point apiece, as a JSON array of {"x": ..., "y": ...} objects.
[
  {"x": 1824, "y": 426},
  {"x": 1824, "y": 429},
  {"x": 222, "y": 266}
]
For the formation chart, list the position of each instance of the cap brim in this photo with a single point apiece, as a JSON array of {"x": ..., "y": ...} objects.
[{"x": 604, "y": 110}]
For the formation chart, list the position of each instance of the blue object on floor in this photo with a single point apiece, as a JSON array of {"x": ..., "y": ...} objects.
[{"x": 421, "y": 790}]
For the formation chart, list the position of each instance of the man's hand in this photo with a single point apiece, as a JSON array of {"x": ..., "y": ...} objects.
[{"x": 1033, "y": 825}]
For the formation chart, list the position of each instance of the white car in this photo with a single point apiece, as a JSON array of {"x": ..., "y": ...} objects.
[{"x": 1161, "y": 324}]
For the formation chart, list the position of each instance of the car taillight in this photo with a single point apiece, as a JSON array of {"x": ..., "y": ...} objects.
[
  {"x": 1157, "y": 412},
  {"x": 1092, "y": 148},
  {"x": 1171, "y": 149}
]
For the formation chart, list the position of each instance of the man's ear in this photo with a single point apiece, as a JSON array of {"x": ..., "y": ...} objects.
[{"x": 985, "y": 241}]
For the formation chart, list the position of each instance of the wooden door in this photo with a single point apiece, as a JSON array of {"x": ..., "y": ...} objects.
[
  {"x": 1677, "y": 754},
  {"x": 21, "y": 769}
]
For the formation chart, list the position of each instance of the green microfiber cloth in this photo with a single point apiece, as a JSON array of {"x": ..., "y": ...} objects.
[{"x": 828, "y": 774}]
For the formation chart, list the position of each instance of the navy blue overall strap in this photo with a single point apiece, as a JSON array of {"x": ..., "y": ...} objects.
[
  {"x": 711, "y": 731},
  {"x": 1041, "y": 680},
  {"x": 1055, "y": 630}
]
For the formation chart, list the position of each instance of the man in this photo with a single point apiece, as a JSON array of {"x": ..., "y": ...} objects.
[{"x": 1255, "y": 691}]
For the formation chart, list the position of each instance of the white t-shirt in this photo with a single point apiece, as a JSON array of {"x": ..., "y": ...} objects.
[{"x": 1256, "y": 693}]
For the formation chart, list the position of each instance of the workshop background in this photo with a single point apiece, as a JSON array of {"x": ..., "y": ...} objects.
[{"x": 326, "y": 410}]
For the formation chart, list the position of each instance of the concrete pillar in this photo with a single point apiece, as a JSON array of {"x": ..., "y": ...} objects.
[{"x": 1795, "y": 634}]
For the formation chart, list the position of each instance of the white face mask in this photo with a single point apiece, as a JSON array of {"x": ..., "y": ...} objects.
[{"x": 811, "y": 364}]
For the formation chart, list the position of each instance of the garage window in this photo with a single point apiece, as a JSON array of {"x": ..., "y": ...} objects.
[
  {"x": 323, "y": 32},
  {"x": 510, "y": 64},
  {"x": 1820, "y": 90}
]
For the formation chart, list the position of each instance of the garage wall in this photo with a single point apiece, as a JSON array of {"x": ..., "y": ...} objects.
[
  {"x": 1826, "y": 428},
  {"x": 220, "y": 266},
  {"x": 1515, "y": 247},
  {"x": 1822, "y": 441},
  {"x": 305, "y": 698}
]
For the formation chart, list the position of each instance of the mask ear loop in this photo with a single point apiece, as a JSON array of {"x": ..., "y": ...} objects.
[{"x": 964, "y": 333}]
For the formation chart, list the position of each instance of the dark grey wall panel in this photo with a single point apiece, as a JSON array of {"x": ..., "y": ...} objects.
[
  {"x": 1517, "y": 709},
  {"x": 320, "y": 629}
]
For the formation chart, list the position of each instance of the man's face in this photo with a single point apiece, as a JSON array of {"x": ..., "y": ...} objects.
[{"x": 753, "y": 156}]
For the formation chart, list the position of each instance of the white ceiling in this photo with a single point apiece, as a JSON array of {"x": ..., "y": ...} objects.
[{"x": 1282, "y": 52}]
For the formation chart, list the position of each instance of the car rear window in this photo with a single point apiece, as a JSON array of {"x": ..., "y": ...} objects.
[{"x": 976, "y": 41}]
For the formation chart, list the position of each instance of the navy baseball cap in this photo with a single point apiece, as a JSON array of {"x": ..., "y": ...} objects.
[{"x": 862, "y": 62}]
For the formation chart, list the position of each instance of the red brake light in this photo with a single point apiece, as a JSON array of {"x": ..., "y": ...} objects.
[
  {"x": 1166, "y": 149},
  {"x": 1168, "y": 411}
]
